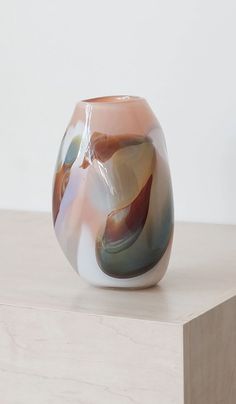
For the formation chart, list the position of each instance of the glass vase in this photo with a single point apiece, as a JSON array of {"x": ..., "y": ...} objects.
[{"x": 112, "y": 193}]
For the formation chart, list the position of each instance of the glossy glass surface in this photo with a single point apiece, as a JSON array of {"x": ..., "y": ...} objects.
[{"x": 112, "y": 197}]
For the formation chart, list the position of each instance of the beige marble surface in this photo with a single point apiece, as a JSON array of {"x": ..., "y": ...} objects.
[
  {"x": 56, "y": 357},
  {"x": 34, "y": 273},
  {"x": 210, "y": 356}
]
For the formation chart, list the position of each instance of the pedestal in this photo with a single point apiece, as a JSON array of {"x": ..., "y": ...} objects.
[{"x": 65, "y": 342}]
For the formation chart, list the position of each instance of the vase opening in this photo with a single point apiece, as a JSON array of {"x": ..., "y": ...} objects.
[{"x": 112, "y": 99}]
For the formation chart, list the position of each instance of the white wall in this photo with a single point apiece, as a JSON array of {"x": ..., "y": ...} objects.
[{"x": 180, "y": 55}]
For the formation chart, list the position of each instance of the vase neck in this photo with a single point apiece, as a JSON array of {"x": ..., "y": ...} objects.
[{"x": 115, "y": 115}]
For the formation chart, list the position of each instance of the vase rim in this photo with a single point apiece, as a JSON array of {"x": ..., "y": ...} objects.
[{"x": 112, "y": 99}]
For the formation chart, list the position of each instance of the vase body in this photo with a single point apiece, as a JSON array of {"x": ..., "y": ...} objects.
[{"x": 112, "y": 194}]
